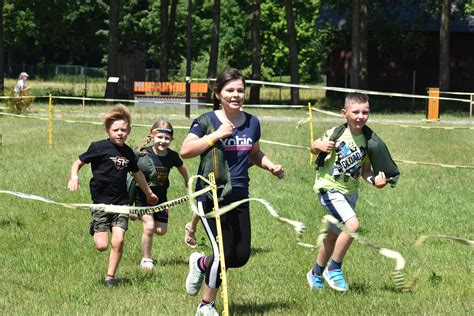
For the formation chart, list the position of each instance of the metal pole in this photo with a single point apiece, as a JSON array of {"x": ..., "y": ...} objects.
[{"x": 188, "y": 61}]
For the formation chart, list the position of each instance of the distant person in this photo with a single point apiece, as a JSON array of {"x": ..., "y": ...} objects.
[
  {"x": 156, "y": 163},
  {"x": 227, "y": 141},
  {"x": 111, "y": 159},
  {"x": 21, "y": 87},
  {"x": 342, "y": 161}
]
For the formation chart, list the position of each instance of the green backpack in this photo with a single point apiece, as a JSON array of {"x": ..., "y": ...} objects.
[{"x": 146, "y": 165}]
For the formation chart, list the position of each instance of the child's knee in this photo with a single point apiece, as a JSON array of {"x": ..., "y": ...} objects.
[
  {"x": 161, "y": 231},
  {"x": 101, "y": 245},
  {"x": 161, "y": 228},
  {"x": 353, "y": 224}
]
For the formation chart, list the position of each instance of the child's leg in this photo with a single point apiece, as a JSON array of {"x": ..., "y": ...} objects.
[
  {"x": 101, "y": 226},
  {"x": 147, "y": 236},
  {"x": 116, "y": 252},
  {"x": 161, "y": 228},
  {"x": 194, "y": 222},
  {"x": 101, "y": 240},
  {"x": 344, "y": 241},
  {"x": 189, "y": 231},
  {"x": 326, "y": 249}
]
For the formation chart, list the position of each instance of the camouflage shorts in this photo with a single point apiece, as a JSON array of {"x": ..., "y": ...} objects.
[{"x": 103, "y": 221}]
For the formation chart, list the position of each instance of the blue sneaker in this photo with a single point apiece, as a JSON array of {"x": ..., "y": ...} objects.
[
  {"x": 336, "y": 280},
  {"x": 314, "y": 281}
]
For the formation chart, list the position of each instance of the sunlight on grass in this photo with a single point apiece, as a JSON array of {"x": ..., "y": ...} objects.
[{"x": 49, "y": 265}]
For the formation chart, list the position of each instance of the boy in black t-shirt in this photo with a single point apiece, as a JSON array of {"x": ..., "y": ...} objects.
[{"x": 110, "y": 161}]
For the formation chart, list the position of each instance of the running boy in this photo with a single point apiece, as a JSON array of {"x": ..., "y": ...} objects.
[
  {"x": 336, "y": 183},
  {"x": 110, "y": 161},
  {"x": 156, "y": 162}
]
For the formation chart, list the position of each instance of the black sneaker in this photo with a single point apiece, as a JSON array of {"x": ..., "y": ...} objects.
[
  {"x": 110, "y": 282},
  {"x": 91, "y": 228}
]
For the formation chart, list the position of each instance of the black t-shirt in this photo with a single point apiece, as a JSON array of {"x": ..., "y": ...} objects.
[
  {"x": 110, "y": 164},
  {"x": 163, "y": 165}
]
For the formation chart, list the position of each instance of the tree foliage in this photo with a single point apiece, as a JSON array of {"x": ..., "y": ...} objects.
[{"x": 76, "y": 32}]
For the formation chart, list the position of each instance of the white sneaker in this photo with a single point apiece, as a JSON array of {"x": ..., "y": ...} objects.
[
  {"x": 207, "y": 310},
  {"x": 195, "y": 276},
  {"x": 147, "y": 264}
]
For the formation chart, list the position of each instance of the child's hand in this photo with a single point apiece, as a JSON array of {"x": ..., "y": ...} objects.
[
  {"x": 277, "y": 170},
  {"x": 380, "y": 180},
  {"x": 73, "y": 184},
  {"x": 152, "y": 199},
  {"x": 325, "y": 146}
]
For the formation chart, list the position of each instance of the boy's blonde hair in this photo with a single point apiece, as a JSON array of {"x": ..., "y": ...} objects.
[
  {"x": 117, "y": 113},
  {"x": 355, "y": 97}
]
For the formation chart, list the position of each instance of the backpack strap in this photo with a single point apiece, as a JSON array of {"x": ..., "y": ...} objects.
[
  {"x": 338, "y": 131},
  {"x": 212, "y": 160}
]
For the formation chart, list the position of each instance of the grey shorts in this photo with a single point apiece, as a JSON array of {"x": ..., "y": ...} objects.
[
  {"x": 338, "y": 205},
  {"x": 103, "y": 221}
]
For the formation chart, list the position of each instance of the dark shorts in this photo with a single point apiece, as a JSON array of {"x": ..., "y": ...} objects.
[
  {"x": 157, "y": 216},
  {"x": 161, "y": 217},
  {"x": 104, "y": 222}
]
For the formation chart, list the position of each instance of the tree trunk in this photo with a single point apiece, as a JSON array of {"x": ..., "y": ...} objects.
[
  {"x": 359, "y": 71},
  {"x": 112, "y": 49},
  {"x": 363, "y": 71},
  {"x": 256, "y": 53},
  {"x": 294, "y": 68},
  {"x": 214, "y": 53},
  {"x": 164, "y": 50},
  {"x": 444, "y": 47},
  {"x": 355, "y": 40},
  {"x": 172, "y": 21},
  {"x": 2, "y": 52}
]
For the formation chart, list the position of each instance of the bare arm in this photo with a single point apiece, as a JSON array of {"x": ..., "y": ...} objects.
[
  {"x": 257, "y": 157},
  {"x": 139, "y": 178},
  {"x": 73, "y": 183},
  {"x": 184, "y": 173}
]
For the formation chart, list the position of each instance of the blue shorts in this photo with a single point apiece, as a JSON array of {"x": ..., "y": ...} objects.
[{"x": 338, "y": 205}]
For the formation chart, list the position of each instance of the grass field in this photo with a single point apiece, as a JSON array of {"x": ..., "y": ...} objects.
[{"x": 48, "y": 264}]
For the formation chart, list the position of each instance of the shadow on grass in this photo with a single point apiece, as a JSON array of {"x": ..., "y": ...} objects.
[
  {"x": 257, "y": 250},
  {"x": 11, "y": 222},
  {"x": 359, "y": 288},
  {"x": 263, "y": 308},
  {"x": 173, "y": 261}
]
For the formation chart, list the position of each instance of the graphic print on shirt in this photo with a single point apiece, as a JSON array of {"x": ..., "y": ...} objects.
[
  {"x": 120, "y": 162},
  {"x": 237, "y": 143},
  {"x": 348, "y": 160},
  {"x": 161, "y": 175}
]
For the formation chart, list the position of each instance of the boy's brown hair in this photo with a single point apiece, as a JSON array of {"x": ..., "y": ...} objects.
[
  {"x": 355, "y": 97},
  {"x": 117, "y": 113}
]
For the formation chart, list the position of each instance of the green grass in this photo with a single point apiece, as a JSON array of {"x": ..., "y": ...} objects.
[{"x": 48, "y": 264}]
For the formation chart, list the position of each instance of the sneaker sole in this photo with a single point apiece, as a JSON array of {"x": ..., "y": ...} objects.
[
  {"x": 189, "y": 276},
  {"x": 340, "y": 289},
  {"x": 310, "y": 283}
]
